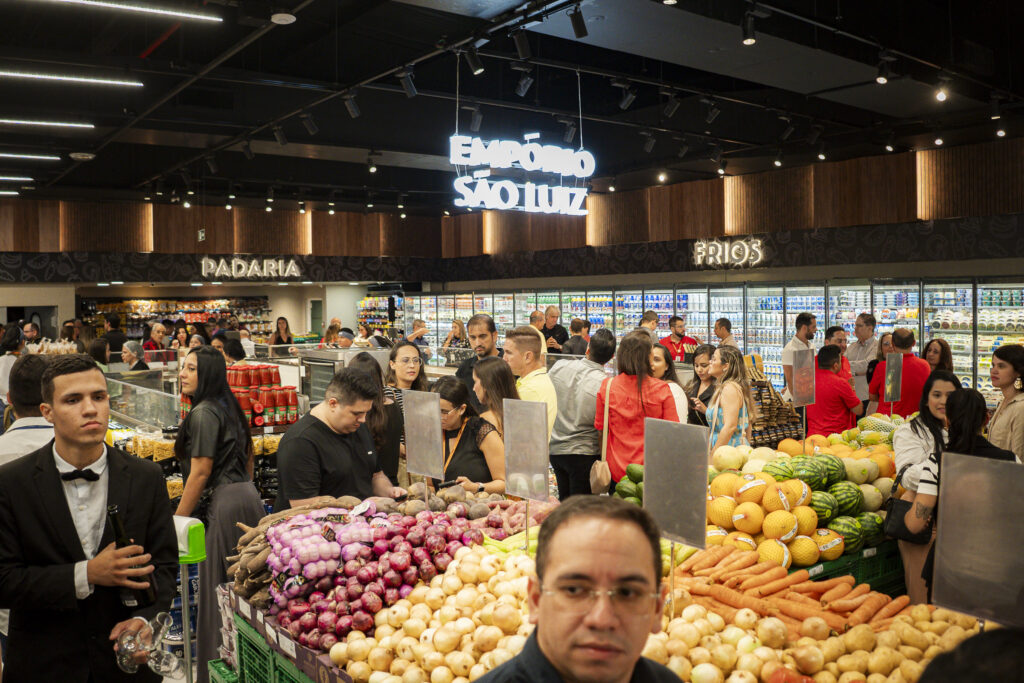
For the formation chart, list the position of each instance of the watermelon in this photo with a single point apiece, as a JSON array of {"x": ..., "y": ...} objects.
[
  {"x": 871, "y": 523},
  {"x": 826, "y": 505},
  {"x": 851, "y": 531},
  {"x": 834, "y": 466},
  {"x": 812, "y": 472},
  {"x": 780, "y": 469},
  {"x": 849, "y": 496}
]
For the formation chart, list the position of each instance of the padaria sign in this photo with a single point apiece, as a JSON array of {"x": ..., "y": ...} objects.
[
  {"x": 477, "y": 191},
  {"x": 238, "y": 268},
  {"x": 738, "y": 253}
]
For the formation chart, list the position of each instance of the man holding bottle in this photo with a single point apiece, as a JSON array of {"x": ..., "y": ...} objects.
[{"x": 64, "y": 579}]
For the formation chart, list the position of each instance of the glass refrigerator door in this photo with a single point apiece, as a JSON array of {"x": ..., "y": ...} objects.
[
  {"x": 660, "y": 301},
  {"x": 445, "y": 315},
  {"x": 413, "y": 311},
  {"x": 728, "y": 303},
  {"x": 845, "y": 303},
  {"x": 483, "y": 303},
  {"x": 504, "y": 313},
  {"x": 812, "y": 300},
  {"x": 599, "y": 310},
  {"x": 629, "y": 306},
  {"x": 526, "y": 303},
  {"x": 949, "y": 315},
  {"x": 574, "y": 305},
  {"x": 429, "y": 313},
  {"x": 692, "y": 305},
  {"x": 463, "y": 307},
  {"x": 765, "y": 335},
  {"x": 897, "y": 305},
  {"x": 549, "y": 298},
  {"x": 1000, "y": 321}
]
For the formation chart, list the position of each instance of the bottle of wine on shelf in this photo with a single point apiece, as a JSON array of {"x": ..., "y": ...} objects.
[{"x": 134, "y": 598}]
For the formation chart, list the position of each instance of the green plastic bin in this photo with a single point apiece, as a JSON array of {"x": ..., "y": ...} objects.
[
  {"x": 221, "y": 672},
  {"x": 255, "y": 658},
  {"x": 286, "y": 672}
]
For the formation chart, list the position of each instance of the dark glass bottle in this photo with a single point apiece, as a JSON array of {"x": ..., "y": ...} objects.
[{"x": 133, "y": 598}]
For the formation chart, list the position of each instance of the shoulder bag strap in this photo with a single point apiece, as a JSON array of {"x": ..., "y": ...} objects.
[
  {"x": 604, "y": 432},
  {"x": 899, "y": 478}
]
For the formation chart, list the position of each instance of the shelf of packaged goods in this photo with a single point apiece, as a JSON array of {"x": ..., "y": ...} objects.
[{"x": 660, "y": 301}]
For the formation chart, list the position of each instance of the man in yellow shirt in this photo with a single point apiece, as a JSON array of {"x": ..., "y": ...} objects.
[{"x": 523, "y": 355}]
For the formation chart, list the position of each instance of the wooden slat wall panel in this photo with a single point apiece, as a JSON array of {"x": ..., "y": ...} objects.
[
  {"x": 551, "y": 231},
  {"x": 330, "y": 233},
  {"x": 687, "y": 210},
  {"x": 175, "y": 229},
  {"x": 411, "y": 236},
  {"x": 976, "y": 180},
  {"x": 106, "y": 227},
  {"x": 865, "y": 191},
  {"x": 618, "y": 218},
  {"x": 277, "y": 232},
  {"x": 462, "y": 235},
  {"x": 19, "y": 225},
  {"x": 767, "y": 202},
  {"x": 506, "y": 231},
  {"x": 363, "y": 238},
  {"x": 49, "y": 225}
]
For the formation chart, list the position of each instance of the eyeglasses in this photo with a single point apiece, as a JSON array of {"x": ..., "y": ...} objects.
[
  {"x": 408, "y": 361},
  {"x": 446, "y": 413},
  {"x": 579, "y": 599}
]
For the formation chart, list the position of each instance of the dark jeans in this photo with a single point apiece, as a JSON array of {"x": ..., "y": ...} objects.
[{"x": 573, "y": 474}]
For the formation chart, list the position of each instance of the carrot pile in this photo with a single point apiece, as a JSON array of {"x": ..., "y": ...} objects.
[{"x": 726, "y": 579}]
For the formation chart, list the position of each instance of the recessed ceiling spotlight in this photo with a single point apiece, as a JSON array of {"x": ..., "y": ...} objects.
[
  {"x": 778, "y": 159},
  {"x": 942, "y": 91},
  {"x": 1000, "y": 133},
  {"x": 282, "y": 17},
  {"x": 662, "y": 177},
  {"x": 883, "y": 73},
  {"x": 749, "y": 35}
]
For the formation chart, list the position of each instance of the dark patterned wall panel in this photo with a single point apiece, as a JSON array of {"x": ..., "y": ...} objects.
[
  {"x": 276, "y": 232},
  {"x": 410, "y": 236},
  {"x": 106, "y": 227},
  {"x": 865, "y": 191},
  {"x": 765, "y": 202},
  {"x": 975, "y": 180},
  {"x": 176, "y": 229},
  {"x": 618, "y": 218},
  {"x": 687, "y": 210}
]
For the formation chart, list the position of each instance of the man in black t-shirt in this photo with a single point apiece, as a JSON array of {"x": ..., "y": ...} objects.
[
  {"x": 330, "y": 452},
  {"x": 554, "y": 334},
  {"x": 114, "y": 336}
]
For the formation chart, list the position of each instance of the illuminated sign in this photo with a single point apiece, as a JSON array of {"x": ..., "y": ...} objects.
[
  {"x": 740, "y": 253},
  {"x": 531, "y": 156},
  {"x": 241, "y": 268}
]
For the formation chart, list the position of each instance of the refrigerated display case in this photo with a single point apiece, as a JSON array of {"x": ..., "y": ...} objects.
[
  {"x": 1000, "y": 321},
  {"x": 413, "y": 310},
  {"x": 810, "y": 299},
  {"x": 765, "y": 333},
  {"x": 660, "y": 301},
  {"x": 504, "y": 313},
  {"x": 949, "y": 314},
  {"x": 845, "y": 302},
  {"x": 897, "y": 305},
  {"x": 692, "y": 305},
  {"x": 727, "y": 302},
  {"x": 574, "y": 305},
  {"x": 526, "y": 303},
  {"x": 429, "y": 314},
  {"x": 445, "y": 315},
  {"x": 629, "y": 308},
  {"x": 483, "y": 303},
  {"x": 463, "y": 308},
  {"x": 600, "y": 310}
]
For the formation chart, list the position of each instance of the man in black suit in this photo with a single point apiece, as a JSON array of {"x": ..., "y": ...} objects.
[{"x": 60, "y": 573}]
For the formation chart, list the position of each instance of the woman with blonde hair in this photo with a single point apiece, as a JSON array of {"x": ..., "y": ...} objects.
[
  {"x": 731, "y": 407},
  {"x": 330, "y": 339},
  {"x": 457, "y": 338}
]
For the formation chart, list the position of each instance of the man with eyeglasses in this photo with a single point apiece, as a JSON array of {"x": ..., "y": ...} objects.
[
  {"x": 596, "y": 597},
  {"x": 861, "y": 352}
]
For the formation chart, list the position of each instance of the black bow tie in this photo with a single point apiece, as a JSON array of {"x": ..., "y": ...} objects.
[{"x": 88, "y": 475}]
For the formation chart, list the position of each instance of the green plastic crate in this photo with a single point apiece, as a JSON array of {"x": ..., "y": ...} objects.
[
  {"x": 255, "y": 658},
  {"x": 845, "y": 564},
  {"x": 879, "y": 564},
  {"x": 221, "y": 672},
  {"x": 286, "y": 672}
]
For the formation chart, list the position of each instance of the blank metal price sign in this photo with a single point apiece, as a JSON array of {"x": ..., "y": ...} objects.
[
  {"x": 526, "y": 449},
  {"x": 979, "y": 566},
  {"x": 802, "y": 390},
  {"x": 676, "y": 479},
  {"x": 423, "y": 449},
  {"x": 893, "y": 389}
]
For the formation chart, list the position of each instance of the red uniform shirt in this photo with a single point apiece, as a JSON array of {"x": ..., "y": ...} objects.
[
  {"x": 833, "y": 399},
  {"x": 626, "y": 419},
  {"x": 915, "y": 374},
  {"x": 681, "y": 351},
  {"x": 844, "y": 370},
  {"x": 151, "y": 345}
]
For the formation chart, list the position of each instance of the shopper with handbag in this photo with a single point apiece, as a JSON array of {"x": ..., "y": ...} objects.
[
  {"x": 731, "y": 406},
  {"x": 914, "y": 442}
]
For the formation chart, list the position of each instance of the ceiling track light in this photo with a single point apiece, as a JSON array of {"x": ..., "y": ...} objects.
[
  {"x": 713, "y": 111},
  {"x": 522, "y": 43},
  {"x": 628, "y": 97},
  {"x": 721, "y": 166},
  {"x": 65, "y": 78},
  {"x": 268, "y": 208},
  {"x": 523, "y": 86},
  {"x": 476, "y": 66},
  {"x": 815, "y": 133},
  {"x": 579, "y": 24},
  {"x": 672, "y": 106},
  {"x": 942, "y": 91},
  {"x": 247, "y": 150},
  {"x": 570, "y": 130},
  {"x": 890, "y": 143},
  {"x": 821, "y": 152},
  {"x": 778, "y": 159},
  {"x": 211, "y": 163},
  {"x": 405, "y": 79},
  {"x": 476, "y": 117},
  {"x": 611, "y": 185},
  {"x": 351, "y": 105},
  {"x": 996, "y": 112},
  {"x": 270, "y": 194},
  {"x": 749, "y": 34},
  {"x": 401, "y": 201},
  {"x": 144, "y": 9},
  {"x": 186, "y": 204},
  {"x": 302, "y": 206},
  {"x": 279, "y": 136},
  {"x": 649, "y": 142},
  {"x": 231, "y": 190},
  {"x": 883, "y": 73},
  {"x": 309, "y": 123},
  {"x": 371, "y": 165}
]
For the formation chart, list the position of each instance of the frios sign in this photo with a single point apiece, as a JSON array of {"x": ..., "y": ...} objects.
[
  {"x": 738, "y": 253},
  {"x": 478, "y": 190}
]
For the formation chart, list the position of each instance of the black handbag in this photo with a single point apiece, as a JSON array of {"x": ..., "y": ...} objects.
[{"x": 895, "y": 512}]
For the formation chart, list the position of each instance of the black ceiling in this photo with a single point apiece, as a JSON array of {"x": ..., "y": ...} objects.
[{"x": 210, "y": 87}]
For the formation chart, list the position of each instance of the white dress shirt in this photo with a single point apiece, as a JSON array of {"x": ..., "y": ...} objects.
[
  {"x": 860, "y": 354},
  {"x": 87, "y": 502},
  {"x": 795, "y": 344},
  {"x": 25, "y": 435},
  {"x": 682, "y": 403}
]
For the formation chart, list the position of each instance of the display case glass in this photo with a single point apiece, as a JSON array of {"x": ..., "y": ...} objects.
[
  {"x": 463, "y": 310},
  {"x": 429, "y": 315},
  {"x": 600, "y": 310},
  {"x": 504, "y": 314},
  {"x": 629, "y": 307},
  {"x": 845, "y": 302},
  {"x": 897, "y": 305},
  {"x": 574, "y": 305},
  {"x": 526, "y": 303},
  {"x": 413, "y": 310},
  {"x": 765, "y": 334},
  {"x": 727, "y": 302},
  {"x": 809, "y": 298},
  {"x": 137, "y": 406},
  {"x": 692, "y": 305},
  {"x": 1000, "y": 322},
  {"x": 661, "y": 302},
  {"x": 445, "y": 315},
  {"x": 483, "y": 303},
  {"x": 949, "y": 315},
  {"x": 550, "y": 298}
]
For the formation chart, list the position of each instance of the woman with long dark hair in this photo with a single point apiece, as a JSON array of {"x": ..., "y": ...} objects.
[
  {"x": 493, "y": 382},
  {"x": 385, "y": 419},
  {"x": 731, "y": 409},
  {"x": 200, "y": 329},
  {"x": 913, "y": 443},
  {"x": 99, "y": 350},
  {"x": 214, "y": 448},
  {"x": 282, "y": 333},
  {"x": 405, "y": 371},
  {"x": 473, "y": 452},
  {"x": 1006, "y": 428},
  {"x": 634, "y": 394},
  {"x": 663, "y": 368},
  {"x": 702, "y": 388},
  {"x": 938, "y": 354}
]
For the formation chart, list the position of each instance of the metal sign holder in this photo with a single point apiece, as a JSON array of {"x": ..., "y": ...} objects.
[
  {"x": 424, "y": 445},
  {"x": 526, "y": 453},
  {"x": 892, "y": 390},
  {"x": 804, "y": 378}
]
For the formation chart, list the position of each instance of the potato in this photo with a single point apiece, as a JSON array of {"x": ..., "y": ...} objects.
[
  {"x": 911, "y": 652},
  {"x": 932, "y": 652},
  {"x": 903, "y": 618},
  {"x": 883, "y": 661},
  {"x": 833, "y": 669},
  {"x": 912, "y": 637},
  {"x": 943, "y": 614},
  {"x": 938, "y": 627},
  {"x": 896, "y": 677},
  {"x": 966, "y": 622},
  {"x": 953, "y": 636},
  {"x": 932, "y": 638},
  {"x": 851, "y": 677},
  {"x": 833, "y": 648},
  {"x": 824, "y": 677},
  {"x": 852, "y": 662},
  {"x": 860, "y": 637},
  {"x": 921, "y": 613},
  {"x": 888, "y": 639},
  {"x": 876, "y": 678},
  {"x": 911, "y": 670}
]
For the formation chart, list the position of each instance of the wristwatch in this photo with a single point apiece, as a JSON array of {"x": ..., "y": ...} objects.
[{"x": 479, "y": 488}]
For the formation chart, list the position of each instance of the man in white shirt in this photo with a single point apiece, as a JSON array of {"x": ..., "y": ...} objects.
[
  {"x": 723, "y": 330},
  {"x": 30, "y": 430},
  {"x": 861, "y": 352},
  {"x": 806, "y": 327}
]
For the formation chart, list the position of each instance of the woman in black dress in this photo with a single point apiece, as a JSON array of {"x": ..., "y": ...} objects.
[
  {"x": 385, "y": 419},
  {"x": 214, "y": 447},
  {"x": 702, "y": 388},
  {"x": 473, "y": 451}
]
